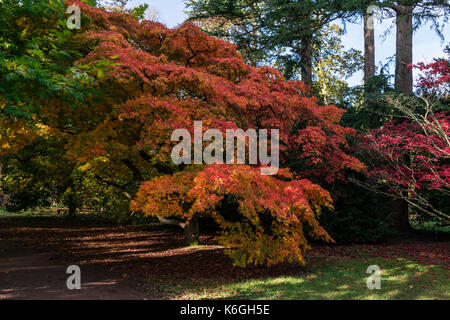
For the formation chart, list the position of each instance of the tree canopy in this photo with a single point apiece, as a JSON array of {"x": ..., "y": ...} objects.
[{"x": 149, "y": 81}]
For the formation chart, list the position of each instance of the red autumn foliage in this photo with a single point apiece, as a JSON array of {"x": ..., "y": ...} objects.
[
  {"x": 272, "y": 212},
  {"x": 156, "y": 80},
  {"x": 412, "y": 156},
  {"x": 435, "y": 74}
]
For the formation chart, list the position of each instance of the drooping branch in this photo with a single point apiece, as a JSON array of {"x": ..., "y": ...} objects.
[
  {"x": 174, "y": 222},
  {"x": 115, "y": 185},
  {"x": 137, "y": 175}
]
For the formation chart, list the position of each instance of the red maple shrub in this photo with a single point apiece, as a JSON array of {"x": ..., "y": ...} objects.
[{"x": 411, "y": 155}]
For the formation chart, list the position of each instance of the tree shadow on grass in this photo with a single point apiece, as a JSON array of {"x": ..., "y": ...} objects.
[{"x": 343, "y": 279}]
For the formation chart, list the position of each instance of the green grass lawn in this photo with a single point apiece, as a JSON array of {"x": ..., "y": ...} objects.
[{"x": 326, "y": 278}]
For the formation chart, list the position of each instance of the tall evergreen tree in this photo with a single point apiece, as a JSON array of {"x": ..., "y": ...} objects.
[{"x": 281, "y": 32}]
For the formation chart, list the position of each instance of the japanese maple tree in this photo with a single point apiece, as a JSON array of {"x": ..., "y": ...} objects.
[
  {"x": 154, "y": 80},
  {"x": 411, "y": 155}
]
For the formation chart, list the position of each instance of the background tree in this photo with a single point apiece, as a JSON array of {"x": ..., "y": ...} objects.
[
  {"x": 36, "y": 70},
  {"x": 143, "y": 11},
  {"x": 369, "y": 19},
  {"x": 280, "y": 32},
  {"x": 332, "y": 66},
  {"x": 410, "y": 155},
  {"x": 405, "y": 12},
  {"x": 409, "y": 16}
]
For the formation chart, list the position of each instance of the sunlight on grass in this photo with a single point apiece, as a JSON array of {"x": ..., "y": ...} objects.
[{"x": 336, "y": 278}]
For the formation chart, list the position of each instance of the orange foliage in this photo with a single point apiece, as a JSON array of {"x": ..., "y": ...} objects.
[
  {"x": 155, "y": 80},
  {"x": 271, "y": 211}
]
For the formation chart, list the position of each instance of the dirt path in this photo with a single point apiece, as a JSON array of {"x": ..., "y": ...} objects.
[{"x": 26, "y": 273}]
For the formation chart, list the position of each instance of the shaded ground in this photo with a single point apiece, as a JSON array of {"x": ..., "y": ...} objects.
[
  {"x": 27, "y": 273},
  {"x": 134, "y": 262}
]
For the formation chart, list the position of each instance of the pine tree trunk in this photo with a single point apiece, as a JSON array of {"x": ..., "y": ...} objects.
[
  {"x": 369, "y": 48},
  {"x": 191, "y": 232},
  {"x": 403, "y": 82},
  {"x": 306, "y": 63},
  {"x": 404, "y": 54}
]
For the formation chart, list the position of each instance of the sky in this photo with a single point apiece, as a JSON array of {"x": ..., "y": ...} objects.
[{"x": 426, "y": 43}]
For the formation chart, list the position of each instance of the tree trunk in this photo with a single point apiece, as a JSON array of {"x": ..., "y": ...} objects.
[
  {"x": 369, "y": 48},
  {"x": 191, "y": 232},
  {"x": 404, "y": 54},
  {"x": 399, "y": 216},
  {"x": 403, "y": 82},
  {"x": 191, "y": 229},
  {"x": 72, "y": 207},
  {"x": 306, "y": 63},
  {"x": 71, "y": 213}
]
